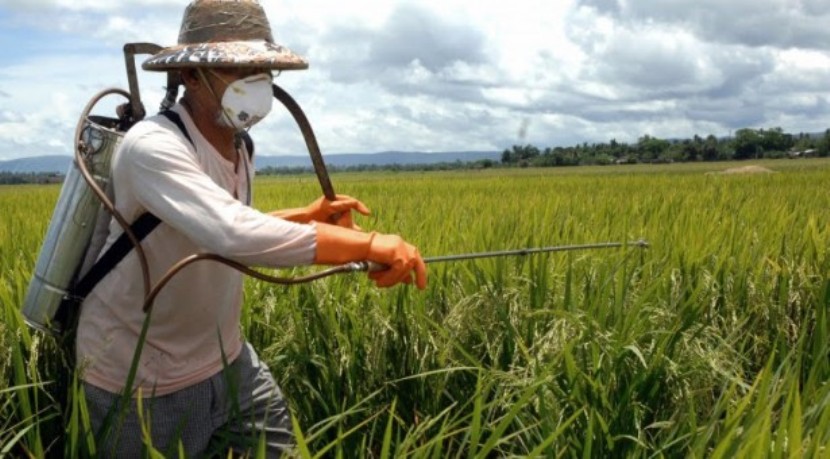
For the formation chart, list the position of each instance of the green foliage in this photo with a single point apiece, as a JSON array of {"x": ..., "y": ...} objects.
[
  {"x": 745, "y": 144},
  {"x": 715, "y": 342},
  {"x": 13, "y": 178}
]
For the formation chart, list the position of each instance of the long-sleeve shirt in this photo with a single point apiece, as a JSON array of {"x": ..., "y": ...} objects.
[{"x": 199, "y": 196}]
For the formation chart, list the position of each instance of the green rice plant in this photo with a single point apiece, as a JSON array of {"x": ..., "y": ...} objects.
[{"x": 711, "y": 343}]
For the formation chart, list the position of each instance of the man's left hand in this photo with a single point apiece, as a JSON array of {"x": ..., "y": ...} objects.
[{"x": 322, "y": 210}]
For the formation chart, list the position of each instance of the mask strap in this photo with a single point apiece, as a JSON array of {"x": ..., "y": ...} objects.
[
  {"x": 237, "y": 136},
  {"x": 204, "y": 79}
]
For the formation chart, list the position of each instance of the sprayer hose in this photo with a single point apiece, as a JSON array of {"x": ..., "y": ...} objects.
[{"x": 150, "y": 293}]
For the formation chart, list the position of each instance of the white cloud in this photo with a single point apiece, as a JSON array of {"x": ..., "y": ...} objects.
[
  {"x": 85, "y": 5},
  {"x": 444, "y": 75}
]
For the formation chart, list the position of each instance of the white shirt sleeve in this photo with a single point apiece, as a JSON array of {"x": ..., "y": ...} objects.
[{"x": 167, "y": 180}]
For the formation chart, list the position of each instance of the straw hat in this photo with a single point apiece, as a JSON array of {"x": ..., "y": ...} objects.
[{"x": 225, "y": 33}]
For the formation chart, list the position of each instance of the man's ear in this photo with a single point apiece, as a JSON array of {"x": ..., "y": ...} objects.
[{"x": 190, "y": 79}]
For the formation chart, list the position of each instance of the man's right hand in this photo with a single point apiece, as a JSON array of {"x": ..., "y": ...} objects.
[{"x": 336, "y": 245}]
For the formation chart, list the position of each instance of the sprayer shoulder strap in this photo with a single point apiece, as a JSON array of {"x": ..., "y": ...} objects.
[
  {"x": 141, "y": 227},
  {"x": 177, "y": 120}
]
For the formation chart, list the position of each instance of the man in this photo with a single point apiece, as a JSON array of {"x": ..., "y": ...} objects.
[{"x": 195, "y": 370}]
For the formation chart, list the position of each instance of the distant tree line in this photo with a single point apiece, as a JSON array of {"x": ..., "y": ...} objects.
[
  {"x": 443, "y": 166},
  {"x": 17, "y": 178},
  {"x": 745, "y": 144}
]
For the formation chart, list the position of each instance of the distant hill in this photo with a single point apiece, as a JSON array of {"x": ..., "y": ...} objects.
[
  {"x": 37, "y": 164},
  {"x": 60, "y": 164},
  {"x": 377, "y": 159}
]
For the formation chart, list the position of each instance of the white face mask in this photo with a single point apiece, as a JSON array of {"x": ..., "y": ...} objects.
[{"x": 246, "y": 101}]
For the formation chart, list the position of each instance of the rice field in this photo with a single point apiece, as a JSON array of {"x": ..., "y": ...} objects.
[{"x": 714, "y": 342}]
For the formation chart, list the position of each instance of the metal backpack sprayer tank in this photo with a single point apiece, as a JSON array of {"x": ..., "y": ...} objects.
[{"x": 79, "y": 224}]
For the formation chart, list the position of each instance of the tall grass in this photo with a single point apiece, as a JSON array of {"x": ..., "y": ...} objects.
[{"x": 714, "y": 342}]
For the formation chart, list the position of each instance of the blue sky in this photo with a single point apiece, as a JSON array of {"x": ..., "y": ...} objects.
[{"x": 451, "y": 75}]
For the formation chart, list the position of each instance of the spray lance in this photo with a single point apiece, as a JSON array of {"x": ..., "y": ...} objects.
[{"x": 85, "y": 206}]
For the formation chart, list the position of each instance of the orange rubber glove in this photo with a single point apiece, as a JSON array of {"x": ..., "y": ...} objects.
[
  {"x": 336, "y": 246},
  {"x": 322, "y": 211}
]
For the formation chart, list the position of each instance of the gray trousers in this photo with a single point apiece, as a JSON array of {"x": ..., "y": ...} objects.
[{"x": 235, "y": 409}]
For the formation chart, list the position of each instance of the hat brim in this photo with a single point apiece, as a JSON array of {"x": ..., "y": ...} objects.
[{"x": 236, "y": 54}]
